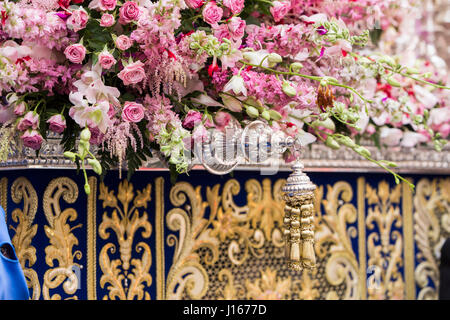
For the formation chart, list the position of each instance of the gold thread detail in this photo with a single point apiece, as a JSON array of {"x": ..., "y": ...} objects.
[
  {"x": 409, "y": 242},
  {"x": 159, "y": 224},
  {"x": 125, "y": 278},
  {"x": 362, "y": 238},
  {"x": 91, "y": 240},
  {"x": 62, "y": 240},
  {"x": 4, "y": 195},
  {"x": 25, "y": 231}
]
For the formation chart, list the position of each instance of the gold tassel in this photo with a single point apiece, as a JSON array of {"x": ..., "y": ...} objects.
[{"x": 299, "y": 220}]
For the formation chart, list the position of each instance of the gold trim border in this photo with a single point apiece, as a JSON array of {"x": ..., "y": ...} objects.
[
  {"x": 159, "y": 224},
  {"x": 4, "y": 195},
  {"x": 91, "y": 240},
  {"x": 408, "y": 236},
  {"x": 361, "y": 182}
]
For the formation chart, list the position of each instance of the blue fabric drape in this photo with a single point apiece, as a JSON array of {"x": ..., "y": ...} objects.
[{"x": 12, "y": 280}]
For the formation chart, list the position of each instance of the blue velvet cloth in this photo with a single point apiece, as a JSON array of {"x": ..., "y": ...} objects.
[{"x": 13, "y": 285}]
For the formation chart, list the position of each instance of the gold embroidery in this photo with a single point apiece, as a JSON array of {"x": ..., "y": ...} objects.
[
  {"x": 25, "y": 231},
  {"x": 4, "y": 195},
  {"x": 159, "y": 226},
  {"x": 385, "y": 257},
  {"x": 91, "y": 240},
  {"x": 62, "y": 240},
  {"x": 269, "y": 287},
  {"x": 432, "y": 227},
  {"x": 126, "y": 277},
  {"x": 334, "y": 238},
  {"x": 408, "y": 234}
]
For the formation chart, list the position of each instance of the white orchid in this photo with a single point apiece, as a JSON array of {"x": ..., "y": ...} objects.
[{"x": 237, "y": 85}]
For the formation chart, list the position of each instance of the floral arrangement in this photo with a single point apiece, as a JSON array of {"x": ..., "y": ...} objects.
[{"x": 134, "y": 76}]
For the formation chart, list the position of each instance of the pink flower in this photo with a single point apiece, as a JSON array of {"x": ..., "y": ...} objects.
[
  {"x": 129, "y": 12},
  {"x": 235, "y": 6},
  {"x": 108, "y": 4},
  {"x": 192, "y": 119},
  {"x": 78, "y": 20},
  {"x": 75, "y": 53},
  {"x": 237, "y": 27},
  {"x": 222, "y": 119},
  {"x": 31, "y": 120},
  {"x": 103, "y": 5},
  {"x": 106, "y": 60},
  {"x": 57, "y": 123},
  {"x": 20, "y": 108},
  {"x": 200, "y": 134},
  {"x": 194, "y": 4},
  {"x": 280, "y": 9},
  {"x": 132, "y": 112},
  {"x": 107, "y": 20},
  {"x": 123, "y": 42},
  {"x": 32, "y": 139},
  {"x": 133, "y": 73},
  {"x": 96, "y": 136},
  {"x": 212, "y": 13}
]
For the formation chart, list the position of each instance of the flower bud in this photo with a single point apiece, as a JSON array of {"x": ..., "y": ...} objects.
[
  {"x": 393, "y": 82},
  {"x": 95, "y": 166},
  {"x": 275, "y": 115},
  {"x": 363, "y": 151},
  {"x": 288, "y": 89},
  {"x": 87, "y": 189},
  {"x": 72, "y": 156},
  {"x": 252, "y": 112},
  {"x": 274, "y": 58},
  {"x": 412, "y": 71},
  {"x": 265, "y": 115},
  {"x": 332, "y": 143},
  {"x": 85, "y": 134},
  {"x": 296, "y": 67},
  {"x": 327, "y": 123},
  {"x": 346, "y": 141}
]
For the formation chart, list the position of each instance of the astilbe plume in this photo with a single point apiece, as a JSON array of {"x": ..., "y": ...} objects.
[{"x": 118, "y": 137}]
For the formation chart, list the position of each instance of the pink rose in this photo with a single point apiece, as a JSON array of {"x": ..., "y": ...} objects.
[
  {"x": 123, "y": 42},
  {"x": 108, "y": 4},
  {"x": 96, "y": 136},
  {"x": 103, "y": 5},
  {"x": 57, "y": 123},
  {"x": 129, "y": 12},
  {"x": 106, "y": 60},
  {"x": 32, "y": 139},
  {"x": 237, "y": 27},
  {"x": 222, "y": 119},
  {"x": 75, "y": 53},
  {"x": 132, "y": 112},
  {"x": 192, "y": 119},
  {"x": 20, "y": 108},
  {"x": 78, "y": 20},
  {"x": 235, "y": 6},
  {"x": 133, "y": 73},
  {"x": 107, "y": 20},
  {"x": 280, "y": 9},
  {"x": 194, "y": 4},
  {"x": 212, "y": 13},
  {"x": 31, "y": 120}
]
